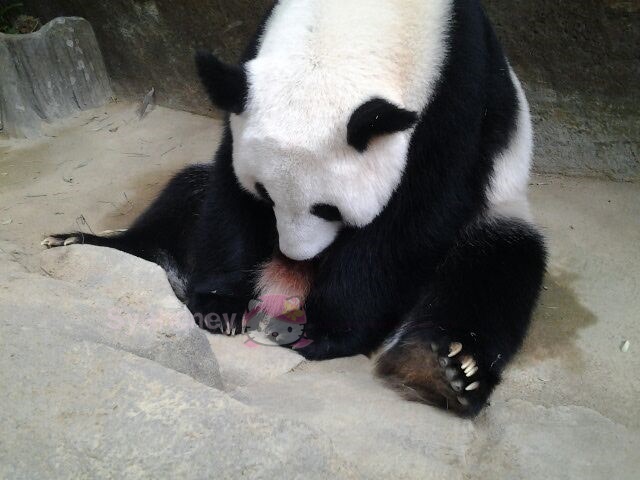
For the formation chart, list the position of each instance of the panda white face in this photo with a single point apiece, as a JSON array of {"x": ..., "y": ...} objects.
[
  {"x": 316, "y": 181},
  {"x": 322, "y": 118},
  {"x": 315, "y": 193}
]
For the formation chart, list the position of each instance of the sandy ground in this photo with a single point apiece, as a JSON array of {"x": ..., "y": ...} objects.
[{"x": 97, "y": 171}]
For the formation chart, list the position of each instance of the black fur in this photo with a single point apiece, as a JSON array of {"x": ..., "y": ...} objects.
[
  {"x": 330, "y": 213},
  {"x": 262, "y": 191},
  {"x": 432, "y": 260},
  {"x": 481, "y": 296},
  {"x": 377, "y": 117},
  {"x": 167, "y": 225},
  {"x": 225, "y": 84},
  {"x": 371, "y": 278}
]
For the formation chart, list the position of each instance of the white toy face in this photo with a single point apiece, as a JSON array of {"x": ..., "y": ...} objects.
[
  {"x": 275, "y": 321},
  {"x": 266, "y": 330}
]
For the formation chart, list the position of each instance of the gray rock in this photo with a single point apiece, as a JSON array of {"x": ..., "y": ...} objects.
[
  {"x": 242, "y": 364},
  {"x": 152, "y": 43},
  {"x": 521, "y": 441},
  {"x": 79, "y": 400},
  {"x": 49, "y": 74},
  {"x": 392, "y": 438},
  {"x": 121, "y": 301}
]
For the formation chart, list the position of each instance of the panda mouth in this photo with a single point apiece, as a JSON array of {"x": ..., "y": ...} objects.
[
  {"x": 294, "y": 265},
  {"x": 318, "y": 257}
]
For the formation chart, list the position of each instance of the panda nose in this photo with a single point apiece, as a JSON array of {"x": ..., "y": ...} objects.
[{"x": 274, "y": 334}]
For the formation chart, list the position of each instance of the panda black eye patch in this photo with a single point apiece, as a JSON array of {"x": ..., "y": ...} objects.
[
  {"x": 264, "y": 194},
  {"x": 377, "y": 117},
  {"x": 326, "y": 212}
]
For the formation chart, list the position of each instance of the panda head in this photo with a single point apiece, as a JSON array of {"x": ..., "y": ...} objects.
[{"x": 325, "y": 152}]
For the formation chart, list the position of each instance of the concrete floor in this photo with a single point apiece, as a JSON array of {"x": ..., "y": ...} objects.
[
  {"x": 98, "y": 170},
  {"x": 592, "y": 302}
]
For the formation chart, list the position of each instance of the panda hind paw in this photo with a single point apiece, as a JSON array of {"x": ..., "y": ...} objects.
[
  {"x": 439, "y": 371},
  {"x": 62, "y": 240}
]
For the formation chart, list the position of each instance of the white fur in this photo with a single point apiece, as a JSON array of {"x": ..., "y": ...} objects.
[
  {"x": 318, "y": 61},
  {"x": 507, "y": 192},
  {"x": 392, "y": 341},
  {"x": 177, "y": 279}
]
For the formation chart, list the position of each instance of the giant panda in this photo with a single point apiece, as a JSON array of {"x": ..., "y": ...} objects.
[{"x": 374, "y": 164}]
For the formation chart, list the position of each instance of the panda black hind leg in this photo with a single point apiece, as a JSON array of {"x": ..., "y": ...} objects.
[
  {"x": 452, "y": 348},
  {"x": 161, "y": 233}
]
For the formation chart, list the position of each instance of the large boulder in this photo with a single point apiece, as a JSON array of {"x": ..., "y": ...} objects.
[
  {"x": 121, "y": 301},
  {"x": 96, "y": 384}
]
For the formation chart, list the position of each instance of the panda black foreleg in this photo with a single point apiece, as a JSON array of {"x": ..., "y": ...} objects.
[
  {"x": 452, "y": 348},
  {"x": 234, "y": 235},
  {"x": 354, "y": 304}
]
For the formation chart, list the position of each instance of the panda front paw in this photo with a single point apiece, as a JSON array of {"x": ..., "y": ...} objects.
[
  {"x": 218, "y": 314},
  {"x": 440, "y": 369}
]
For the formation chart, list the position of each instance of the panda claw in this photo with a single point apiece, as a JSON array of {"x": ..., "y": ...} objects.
[
  {"x": 454, "y": 349},
  {"x": 469, "y": 367},
  {"x": 466, "y": 361},
  {"x": 473, "y": 386},
  {"x": 463, "y": 401},
  {"x": 471, "y": 372}
]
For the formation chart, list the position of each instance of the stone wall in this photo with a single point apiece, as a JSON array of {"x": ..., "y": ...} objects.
[
  {"x": 578, "y": 60},
  {"x": 151, "y": 43},
  {"x": 581, "y": 64}
]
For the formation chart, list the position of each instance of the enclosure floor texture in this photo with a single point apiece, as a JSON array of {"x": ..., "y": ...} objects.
[{"x": 103, "y": 373}]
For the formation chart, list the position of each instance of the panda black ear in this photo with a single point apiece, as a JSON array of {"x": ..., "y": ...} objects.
[
  {"x": 377, "y": 117},
  {"x": 225, "y": 84}
]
